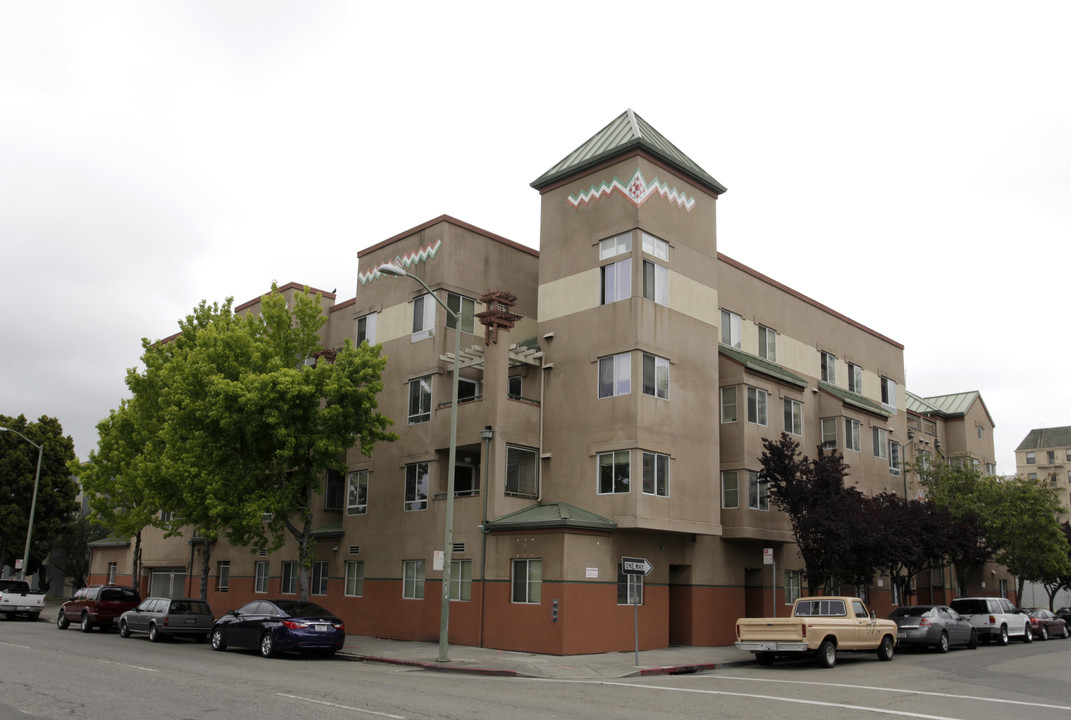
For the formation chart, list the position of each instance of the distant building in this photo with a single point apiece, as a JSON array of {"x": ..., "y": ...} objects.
[
  {"x": 1045, "y": 454},
  {"x": 622, "y": 414}
]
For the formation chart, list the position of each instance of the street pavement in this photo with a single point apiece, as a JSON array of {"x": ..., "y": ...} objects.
[{"x": 488, "y": 661}]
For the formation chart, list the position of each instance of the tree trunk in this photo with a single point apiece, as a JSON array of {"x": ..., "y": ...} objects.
[
  {"x": 206, "y": 556},
  {"x": 135, "y": 575}
]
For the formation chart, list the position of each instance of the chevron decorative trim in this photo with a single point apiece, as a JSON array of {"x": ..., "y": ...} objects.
[
  {"x": 403, "y": 261},
  {"x": 637, "y": 190}
]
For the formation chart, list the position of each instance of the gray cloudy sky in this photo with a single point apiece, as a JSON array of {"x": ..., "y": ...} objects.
[{"x": 153, "y": 154}]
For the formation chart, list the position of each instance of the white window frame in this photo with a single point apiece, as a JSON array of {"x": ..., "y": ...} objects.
[
  {"x": 730, "y": 489},
  {"x": 793, "y": 584},
  {"x": 758, "y": 491},
  {"x": 417, "y": 478},
  {"x": 853, "y": 435},
  {"x": 524, "y": 583},
  {"x": 420, "y": 399},
  {"x": 757, "y": 406},
  {"x": 616, "y": 245},
  {"x": 515, "y": 386},
  {"x": 517, "y": 457},
  {"x": 1031, "y": 458},
  {"x": 829, "y": 368},
  {"x": 465, "y": 307},
  {"x": 655, "y": 468},
  {"x": 423, "y": 316},
  {"x": 357, "y": 502},
  {"x": 888, "y": 392},
  {"x": 655, "y": 376},
  {"x": 793, "y": 417},
  {"x": 894, "y": 458},
  {"x": 288, "y": 582},
  {"x": 616, "y": 372},
  {"x": 654, "y": 246},
  {"x": 318, "y": 577},
  {"x": 730, "y": 412},
  {"x": 656, "y": 282},
  {"x": 855, "y": 378},
  {"x": 767, "y": 343},
  {"x": 829, "y": 439},
  {"x": 608, "y": 467},
  {"x": 223, "y": 576},
  {"x": 354, "y": 578},
  {"x": 113, "y": 571},
  {"x": 731, "y": 328},
  {"x": 615, "y": 281},
  {"x": 261, "y": 576},
  {"x": 368, "y": 332},
  {"x": 460, "y": 580},
  {"x": 413, "y": 579},
  {"x": 881, "y": 443},
  {"x": 629, "y": 587}
]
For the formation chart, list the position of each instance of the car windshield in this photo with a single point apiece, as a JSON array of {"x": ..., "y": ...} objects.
[
  {"x": 916, "y": 611},
  {"x": 970, "y": 607},
  {"x": 296, "y": 608}
]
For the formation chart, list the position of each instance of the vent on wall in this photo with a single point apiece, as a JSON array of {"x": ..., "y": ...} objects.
[
  {"x": 355, "y": 549},
  {"x": 263, "y": 553},
  {"x": 459, "y": 547}
]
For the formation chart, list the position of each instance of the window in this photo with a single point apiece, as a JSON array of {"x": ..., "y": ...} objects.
[
  {"x": 1030, "y": 458},
  {"x": 513, "y": 390},
  {"x": 730, "y": 328},
  {"x": 319, "y": 578},
  {"x": 420, "y": 400},
  {"x": 357, "y": 493},
  {"x": 467, "y": 389},
  {"x": 260, "y": 577},
  {"x": 767, "y": 343},
  {"x": 855, "y": 378},
  {"x": 525, "y": 581},
  {"x": 929, "y": 427},
  {"x": 615, "y": 375},
  {"x": 617, "y": 245},
  {"x": 756, "y": 406},
  {"x": 466, "y": 480},
  {"x": 416, "y": 486},
  {"x": 655, "y": 376},
  {"x": 730, "y": 490},
  {"x": 289, "y": 579},
  {"x": 1032, "y": 476},
  {"x": 924, "y": 459},
  {"x": 223, "y": 576},
  {"x": 354, "y": 578},
  {"x": 793, "y": 416},
  {"x": 656, "y": 282},
  {"x": 881, "y": 442},
  {"x": 981, "y": 432},
  {"x": 461, "y": 580},
  {"x": 1051, "y": 457},
  {"x": 616, "y": 281},
  {"x": 990, "y": 469},
  {"x": 894, "y": 457},
  {"x": 366, "y": 328},
  {"x": 613, "y": 472},
  {"x": 895, "y": 591},
  {"x": 888, "y": 392},
  {"x": 758, "y": 491},
  {"x": 655, "y": 246},
  {"x": 852, "y": 435},
  {"x": 829, "y": 433},
  {"x": 334, "y": 487},
  {"x": 1003, "y": 588},
  {"x": 656, "y": 474},
  {"x": 829, "y": 368},
  {"x": 413, "y": 579},
  {"x": 522, "y": 476},
  {"x": 1067, "y": 455},
  {"x": 792, "y": 586},
  {"x": 465, "y": 307},
  {"x": 629, "y": 588},
  {"x": 113, "y": 569},
  {"x": 423, "y": 317},
  {"x": 728, "y": 404}
]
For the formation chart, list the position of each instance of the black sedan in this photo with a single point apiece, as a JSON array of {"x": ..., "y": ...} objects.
[
  {"x": 1043, "y": 624},
  {"x": 275, "y": 626},
  {"x": 936, "y": 626}
]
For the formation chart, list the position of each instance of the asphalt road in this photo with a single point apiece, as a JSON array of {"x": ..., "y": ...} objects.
[{"x": 47, "y": 673}]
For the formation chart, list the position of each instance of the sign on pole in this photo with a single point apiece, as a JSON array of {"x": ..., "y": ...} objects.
[
  {"x": 767, "y": 556},
  {"x": 636, "y": 566}
]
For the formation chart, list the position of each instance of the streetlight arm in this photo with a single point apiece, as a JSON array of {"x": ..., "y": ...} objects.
[{"x": 395, "y": 271}]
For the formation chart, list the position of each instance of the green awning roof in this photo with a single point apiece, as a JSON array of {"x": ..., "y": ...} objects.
[
  {"x": 757, "y": 364},
  {"x": 328, "y": 531},
  {"x": 110, "y": 542},
  {"x": 551, "y": 515},
  {"x": 858, "y": 401}
]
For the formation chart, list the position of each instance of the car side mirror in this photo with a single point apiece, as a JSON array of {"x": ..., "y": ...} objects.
[
  {"x": 873, "y": 615},
  {"x": 233, "y": 612}
]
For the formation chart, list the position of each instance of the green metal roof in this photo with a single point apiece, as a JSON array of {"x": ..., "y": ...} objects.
[
  {"x": 1039, "y": 438},
  {"x": 110, "y": 542},
  {"x": 551, "y": 515},
  {"x": 765, "y": 367},
  {"x": 954, "y": 405},
  {"x": 329, "y": 531},
  {"x": 627, "y": 132},
  {"x": 850, "y": 398},
  {"x": 919, "y": 405}
]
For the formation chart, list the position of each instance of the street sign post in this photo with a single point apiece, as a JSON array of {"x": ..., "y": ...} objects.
[{"x": 636, "y": 566}]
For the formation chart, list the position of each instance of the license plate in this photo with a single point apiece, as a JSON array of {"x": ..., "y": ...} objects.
[
  {"x": 191, "y": 621},
  {"x": 901, "y": 636},
  {"x": 321, "y": 628}
]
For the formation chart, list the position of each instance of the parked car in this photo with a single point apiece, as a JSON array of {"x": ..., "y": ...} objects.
[
  {"x": 936, "y": 626},
  {"x": 1044, "y": 623},
  {"x": 162, "y": 618},
  {"x": 994, "y": 619},
  {"x": 274, "y": 626},
  {"x": 97, "y": 605},
  {"x": 1065, "y": 613}
]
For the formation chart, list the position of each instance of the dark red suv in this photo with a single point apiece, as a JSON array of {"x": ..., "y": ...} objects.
[{"x": 97, "y": 605}]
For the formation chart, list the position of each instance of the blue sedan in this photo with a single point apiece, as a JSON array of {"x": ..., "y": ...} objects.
[{"x": 275, "y": 626}]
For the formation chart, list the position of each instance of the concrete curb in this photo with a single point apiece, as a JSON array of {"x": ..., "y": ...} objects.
[{"x": 433, "y": 666}]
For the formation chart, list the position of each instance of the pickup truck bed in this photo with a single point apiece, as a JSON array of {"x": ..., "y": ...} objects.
[{"x": 16, "y": 598}]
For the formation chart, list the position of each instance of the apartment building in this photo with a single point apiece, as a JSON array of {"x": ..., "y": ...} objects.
[
  {"x": 614, "y": 391},
  {"x": 1045, "y": 453}
]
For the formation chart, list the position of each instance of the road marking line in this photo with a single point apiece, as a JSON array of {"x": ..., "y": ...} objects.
[
  {"x": 127, "y": 665},
  {"x": 795, "y": 701},
  {"x": 343, "y": 707},
  {"x": 896, "y": 690}
]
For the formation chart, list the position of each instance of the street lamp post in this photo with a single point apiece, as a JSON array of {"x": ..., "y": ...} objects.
[
  {"x": 33, "y": 504},
  {"x": 448, "y": 533}
]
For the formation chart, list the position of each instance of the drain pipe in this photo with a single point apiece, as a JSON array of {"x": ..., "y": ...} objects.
[{"x": 486, "y": 435}]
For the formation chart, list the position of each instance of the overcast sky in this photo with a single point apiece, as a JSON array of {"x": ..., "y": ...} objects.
[{"x": 154, "y": 154}]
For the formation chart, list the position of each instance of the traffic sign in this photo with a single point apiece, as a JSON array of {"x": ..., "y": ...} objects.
[{"x": 636, "y": 566}]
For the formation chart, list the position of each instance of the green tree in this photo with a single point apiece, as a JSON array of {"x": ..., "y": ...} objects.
[
  {"x": 914, "y": 536},
  {"x": 56, "y": 493},
  {"x": 70, "y": 554},
  {"x": 1024, "y": 530}
]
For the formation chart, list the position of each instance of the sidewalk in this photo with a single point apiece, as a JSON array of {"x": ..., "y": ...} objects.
[{"x": 503, "y": 663}]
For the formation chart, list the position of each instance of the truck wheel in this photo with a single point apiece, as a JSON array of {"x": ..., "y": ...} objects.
[
  {"x": 885, "y": 649},
  {"x": 942, "y": 644},
  {"x": 87, "y": 624},
  {"x": 34, "y": 616},
  {"x": 1002, "y": 639},
  {"x": 764, "y": 658},
  {"x": 972, "y": 644},
  {"x": 61, "y": 620},
  {"x": 827, "y": 654},
  {"x": 9, "y": 616}
]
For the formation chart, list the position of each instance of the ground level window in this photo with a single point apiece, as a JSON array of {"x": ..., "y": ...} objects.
[
  {"x": 629, "y": 588},
  {"x": 526, "y": 581},
  {"x": 319, "y": 578},
  {"x": 223, "y": 576},
  {"x": 413, "y": 579},
  {"x": 792, "y": 586},
  {"x": 354, "y": 578},
  {"x": 290, "y": 578},
  {"x": 260, "y": 577},
  {"x": 461, "y": 580}
]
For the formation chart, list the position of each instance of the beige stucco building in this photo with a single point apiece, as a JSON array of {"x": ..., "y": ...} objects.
[
  {"x": 1045, "y": 454},
  {"x": 621, "y": 416}
]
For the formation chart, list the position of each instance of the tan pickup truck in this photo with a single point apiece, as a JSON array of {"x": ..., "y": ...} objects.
[{"x": 819, "y": 626}]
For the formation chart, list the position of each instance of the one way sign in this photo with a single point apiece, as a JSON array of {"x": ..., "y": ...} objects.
[{"x": 636, "y": 566}]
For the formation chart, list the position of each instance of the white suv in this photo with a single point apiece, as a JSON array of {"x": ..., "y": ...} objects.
[{"x": 994, "y": 618}]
